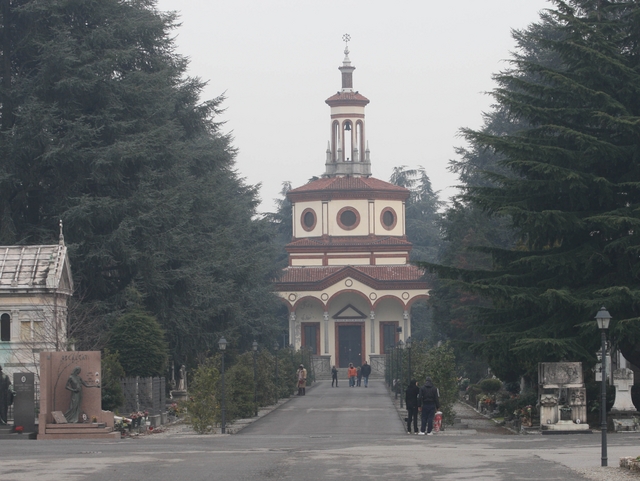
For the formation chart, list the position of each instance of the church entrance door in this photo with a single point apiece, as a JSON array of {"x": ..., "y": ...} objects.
[{"x": 349, "y": 345}]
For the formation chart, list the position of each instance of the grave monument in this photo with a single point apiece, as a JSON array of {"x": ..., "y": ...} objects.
[
  {"x": 563, "y": 400},
  {"x": 623, "y": 416},
  {"x": 71, "y": 397}
]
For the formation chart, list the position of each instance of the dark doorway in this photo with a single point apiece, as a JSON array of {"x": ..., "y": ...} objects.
[
  {"x": 349, "y": 345},
  {"x": 311, "y": 336},
  {"x": 388, "y": 335}
]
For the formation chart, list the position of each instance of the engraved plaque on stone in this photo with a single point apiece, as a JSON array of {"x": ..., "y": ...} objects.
[
  {"x": 24, "y": 412},
  {"x": 58, "y": 417}
]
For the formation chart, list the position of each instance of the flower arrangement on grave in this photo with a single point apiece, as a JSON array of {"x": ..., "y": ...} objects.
[
  {"x": 121, "y": 425},
  {"x": 18, "y": 429},
  {"x": 138, "y": 417},
  {"x": 524, "y": 414},
  {"x": 175, "y": 410}
]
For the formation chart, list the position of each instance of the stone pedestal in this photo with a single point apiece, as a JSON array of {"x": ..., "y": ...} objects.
[
  {"x": 179, "y": 395},
  {"x": 623, "y": 380}
]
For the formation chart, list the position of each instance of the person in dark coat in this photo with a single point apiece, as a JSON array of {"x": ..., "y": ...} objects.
[
  {"x": 334, "y": 376},
  {"x": 430, "y": 399},
  {"x": 411, "y": 400},
  {"x": 366, "y": 372}
]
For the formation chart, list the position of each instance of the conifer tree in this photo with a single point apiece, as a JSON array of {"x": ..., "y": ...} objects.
[
  {"x": 569, "y": 189},
  {"x": 101, "y": 127}
]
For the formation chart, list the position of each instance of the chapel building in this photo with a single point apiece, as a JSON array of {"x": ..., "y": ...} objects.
[
  {"x": 349, "y": 286},
  {"x": 35, "y": 287}
]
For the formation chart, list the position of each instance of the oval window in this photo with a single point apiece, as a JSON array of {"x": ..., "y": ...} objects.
[
  {"x": 388, "y": 218},
  {"x": 309, "y": 219},
  {"x": 348, "y": 218}
]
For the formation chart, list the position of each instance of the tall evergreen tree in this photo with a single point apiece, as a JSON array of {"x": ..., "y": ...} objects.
[
  {"x": 571, "y": 191},
  {"x": 102, "y": 128}
]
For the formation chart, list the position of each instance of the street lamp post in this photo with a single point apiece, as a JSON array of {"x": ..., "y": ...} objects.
[
  {"x": 255, "y": 381},
  {"x": 400, "y": 353},
  {"x": 408, "y": 344},
  {"x": 222, "y": 344},
  {"x": 275, "y": 348},
  {"x": 602, "y": 318}
]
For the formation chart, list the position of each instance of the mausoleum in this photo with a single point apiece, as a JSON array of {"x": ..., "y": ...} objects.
[{"x": 35, "y": 286}]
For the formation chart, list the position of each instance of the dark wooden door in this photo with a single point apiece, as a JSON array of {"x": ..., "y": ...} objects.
[{"x": 349, "y": 345}]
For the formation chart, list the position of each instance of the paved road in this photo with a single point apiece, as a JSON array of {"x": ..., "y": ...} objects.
[
  {"x": 333, "y": 411},
  {"x": 340, "y": 434}
]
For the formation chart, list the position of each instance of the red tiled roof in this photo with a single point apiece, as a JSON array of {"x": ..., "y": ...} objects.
[
  {"x": 379, "y": 273},
  {"x": 349, "y": 184},
  {"x": 338, "y": 241},
  {"x": 347, "y": 98}
]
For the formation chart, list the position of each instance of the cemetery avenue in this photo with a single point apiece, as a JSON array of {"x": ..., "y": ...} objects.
[{"x": 343, "y": 433}]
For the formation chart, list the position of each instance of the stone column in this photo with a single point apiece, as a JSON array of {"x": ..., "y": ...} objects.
[
  {"x": 325, "y": 316},
  {"x": 372, "y": 316},
  {"x": 292, "y": 329},
  {"x": 405, "y": 329}
]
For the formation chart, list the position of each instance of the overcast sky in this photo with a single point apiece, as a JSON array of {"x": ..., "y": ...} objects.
[{"x": 424, "y": 65}]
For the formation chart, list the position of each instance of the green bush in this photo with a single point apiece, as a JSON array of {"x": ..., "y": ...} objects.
[
  {"x": 438, "y": 363},
  {"x": 490, "y": 386},
  {"x": 139, "y": 340},
  {"x": 112, "y": 372},
  {"x": 203, "y": 406},
  {"x": 509, "y": 407}
]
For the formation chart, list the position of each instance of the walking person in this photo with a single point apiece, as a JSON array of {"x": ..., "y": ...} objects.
[
  {"x": 352, "y": 373},
  {"x": 411, "y": 400},
  {"x": 429, "y": 401},
  {"x": 358, "y": 376},
  {"x": 366, "y": 372},
  {"x": 6, "y": 396},
  {"x": 334, "y": 376},
  {"x": 302, "y": 380}
]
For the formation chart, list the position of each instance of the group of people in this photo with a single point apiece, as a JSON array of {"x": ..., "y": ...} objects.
[
  {"x": 356, "y": 375},
  {"x": 425, "y": 399}
]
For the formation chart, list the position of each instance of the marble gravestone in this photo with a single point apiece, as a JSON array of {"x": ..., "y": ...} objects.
[
  {"x": 24, "y": 412},
  {"x": 563, "y": 400}
]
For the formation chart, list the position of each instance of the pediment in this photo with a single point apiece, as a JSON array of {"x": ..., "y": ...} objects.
[{"x": 349, "y": 312}]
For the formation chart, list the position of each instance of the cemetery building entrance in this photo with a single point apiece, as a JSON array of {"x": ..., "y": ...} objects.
[{"x": 350, "y": 344}]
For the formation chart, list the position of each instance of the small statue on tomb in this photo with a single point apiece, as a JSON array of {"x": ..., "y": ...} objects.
[
  {"x": 74, "y": 384},
  {"x": 182, "y": 378}
]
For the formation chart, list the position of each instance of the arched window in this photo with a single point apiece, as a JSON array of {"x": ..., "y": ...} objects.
[
  {"x": 348, "y": 142},
  {"x": 5, "y": 327}
]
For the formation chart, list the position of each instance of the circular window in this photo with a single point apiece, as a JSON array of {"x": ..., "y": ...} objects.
[
  {"x": 309, "y": 219},
  {"x": 348, "y": 218},
  {"x": 388, "y": 218}
]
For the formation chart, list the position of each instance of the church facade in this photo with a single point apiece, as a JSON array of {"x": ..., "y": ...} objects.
[{"x": 349, "y": 286}]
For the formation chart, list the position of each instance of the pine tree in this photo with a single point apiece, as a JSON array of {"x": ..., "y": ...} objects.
[
  {"x": 570, "y": 190},
  {"x": 102, "y": 128}
]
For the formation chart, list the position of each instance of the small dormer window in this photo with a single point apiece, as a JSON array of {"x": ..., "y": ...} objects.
[
  {"x": 348, "y": 218},
  {"x": 309, "y": 219}
]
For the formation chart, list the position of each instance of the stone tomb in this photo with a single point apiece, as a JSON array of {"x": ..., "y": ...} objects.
[
  {"x": 24, "y": 412},
  {"x": 70, "y": 384},
  {"x": 624, "y": 416},
  {"x": 563, "y": 400}
]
